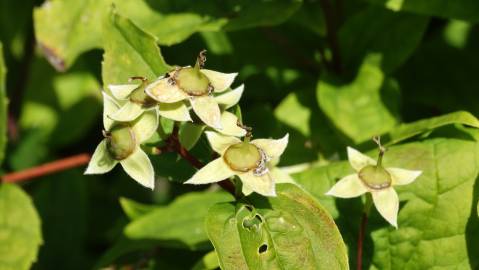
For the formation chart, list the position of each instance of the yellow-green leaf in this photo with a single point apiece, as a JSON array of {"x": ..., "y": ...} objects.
[
  {"x": 20, "y": 230},
  {"x": 290, "y": 231}
]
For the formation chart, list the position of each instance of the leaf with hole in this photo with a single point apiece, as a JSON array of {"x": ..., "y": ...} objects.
[{"x": 290, "y": 231}]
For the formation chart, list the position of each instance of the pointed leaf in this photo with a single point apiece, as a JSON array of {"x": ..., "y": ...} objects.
[{"x": 129, "y": 51}]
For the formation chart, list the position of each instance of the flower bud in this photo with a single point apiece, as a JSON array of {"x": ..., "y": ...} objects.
[
  {"x": 243, "y": 157},
  {"x": 192, "y": 81},
  {"x": 375, "y": 177},
  {"x": 120, "y": 141}
]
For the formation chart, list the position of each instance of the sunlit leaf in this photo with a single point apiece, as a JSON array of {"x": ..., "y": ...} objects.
[
  {"x": 270, "y": 233},
  {"x": 437, "y": 217},
  {"x": 129, "y": 51},
  {"x": 357, "y": 108},
  {"x": 20, "y": 229}
]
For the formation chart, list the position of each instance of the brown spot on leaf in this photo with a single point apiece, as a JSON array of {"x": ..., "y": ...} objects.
[{"x": 52, "y": 57}]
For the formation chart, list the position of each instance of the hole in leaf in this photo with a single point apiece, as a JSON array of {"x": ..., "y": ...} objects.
[
  {"x": 249, "y": 207},
  {"x": 263, "y": 248},
  {"x": 259, "y": 217}
]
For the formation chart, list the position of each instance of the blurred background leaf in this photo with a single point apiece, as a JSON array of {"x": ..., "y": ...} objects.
[
  {"x": 461, "y": 9},
  {"x": 20, "y": 229}
]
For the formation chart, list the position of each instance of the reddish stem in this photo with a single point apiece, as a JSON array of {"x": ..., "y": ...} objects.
[
  {"x": 48, "y": 168},
  {"x": 362, "y": 231},
  {"x": 173, "y": 145}
]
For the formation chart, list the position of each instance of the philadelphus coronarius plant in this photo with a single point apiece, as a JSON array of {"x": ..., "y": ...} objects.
[
  {"x": 372, "y": 177},
  {"x": 122, "y": 144},
  {"x": 249, "y": 160},
  {"x": 195, "y": 85}
]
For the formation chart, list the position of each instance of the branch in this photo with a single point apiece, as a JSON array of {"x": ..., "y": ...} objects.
[
  {"x": 46, "y": 169},
  {"x": 362, "y": 231},
  {"x": 331, "y": 30}
]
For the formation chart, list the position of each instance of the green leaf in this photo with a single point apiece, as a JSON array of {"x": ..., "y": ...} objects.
[
  {"x": 20, "y": 229},
  {"x": 409, "y": 130},
  {"x": 291, "y": 105},
  {"x": 270, "y": 233},
  {"x": 438, "y": 227},
  {"x": 208, "y": 262},
  {"x": 179, "y": 224},
  {"x": 237, "y": 14},
  {"x": 129, "y": 51},
  {"x": 134, "y": 210},
  {"x": 260, "y": 13},
  {"x": 190, "y": 133},
  {"x": 392, "y": 35},
  {"x": 459, "y": 9},
  {"x": 67, "y": 28},
  {"x": 62, "y": 106},
  {"x": 3, "y": 106},
  {"x": 357, "y": 108}
]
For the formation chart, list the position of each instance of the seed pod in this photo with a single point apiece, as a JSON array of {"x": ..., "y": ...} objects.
[
  {"x": 192, "y": 81},
  {"x": 375, "y": 177},
  {"x": 120, "y": 141},
  {"x": 243, "y": 157},
  {"x": 140, "y": 97}
]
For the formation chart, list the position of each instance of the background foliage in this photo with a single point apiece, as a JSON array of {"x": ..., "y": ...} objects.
[{"x": 331, "y": 73}]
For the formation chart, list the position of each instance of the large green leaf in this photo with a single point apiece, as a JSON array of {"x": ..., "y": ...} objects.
[
  {"x": 408, "y": 130},
  {"x": 67, "y": 28},
  {"x": 392, "y": 35},
  {"x": 438, "y": 226},
  {"x": 3, "y": 106},
  {"x": 129, "y": 51},
  {"x": 20, "y": 229},
  {"x": 363, "y": 108},
  {"x": 179, "y": 224},
  {"x": 290, "y": 231},
  {"x": 460, "y": 9}
]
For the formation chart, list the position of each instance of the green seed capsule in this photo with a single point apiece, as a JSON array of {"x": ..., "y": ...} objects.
[
  {"x": 375, "y": 177},
  {"x": 139, "y": 96},
  {"x": 192, "y": 81},
  {"x": 120, "y": 141},
  {"x": 243, "y": 157}
]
